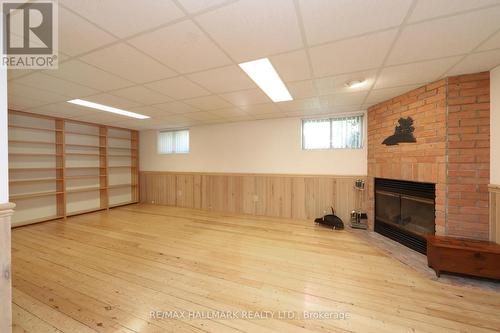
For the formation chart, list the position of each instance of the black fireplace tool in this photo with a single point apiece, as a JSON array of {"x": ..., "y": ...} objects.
[{"x": 331, "y": 220}]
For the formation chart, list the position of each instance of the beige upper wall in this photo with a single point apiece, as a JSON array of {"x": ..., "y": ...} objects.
[
  {"x": 495, "y": 126},
  {"x": 264, "y": 146}
]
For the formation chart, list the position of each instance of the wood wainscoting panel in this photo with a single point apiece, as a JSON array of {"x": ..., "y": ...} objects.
[
  {"x": 6, "y": 211},
  {"x": 495, "y": 213},
  {"x": 287, "y": 196}
]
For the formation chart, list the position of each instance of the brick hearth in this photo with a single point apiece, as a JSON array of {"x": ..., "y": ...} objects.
[{"x": 451, "y": 119}]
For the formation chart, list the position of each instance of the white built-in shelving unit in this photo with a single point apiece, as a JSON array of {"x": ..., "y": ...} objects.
[{"x": 60, "y": 167}]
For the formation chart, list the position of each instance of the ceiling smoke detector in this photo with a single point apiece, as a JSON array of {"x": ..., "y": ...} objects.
[{"x": 355, "y": 83}]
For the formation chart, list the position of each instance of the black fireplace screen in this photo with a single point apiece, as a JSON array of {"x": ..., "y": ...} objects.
[{"x": 405, "y": 211}]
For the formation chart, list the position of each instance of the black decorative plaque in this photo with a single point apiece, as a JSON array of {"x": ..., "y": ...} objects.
[{"x": 402, "y": 133}]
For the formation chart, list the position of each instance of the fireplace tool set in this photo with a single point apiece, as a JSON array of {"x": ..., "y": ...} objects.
[{"x": 359, "y": 219}]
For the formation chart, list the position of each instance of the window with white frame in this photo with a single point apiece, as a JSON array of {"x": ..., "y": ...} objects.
[
  {"x": 173, "y": 142},
  {"x": 332, "y": 133}
]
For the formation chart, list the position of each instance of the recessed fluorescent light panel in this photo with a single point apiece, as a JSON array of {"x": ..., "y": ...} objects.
[
  {"x": 262, "y": 72},
  {"x": 107, "y": 108}
]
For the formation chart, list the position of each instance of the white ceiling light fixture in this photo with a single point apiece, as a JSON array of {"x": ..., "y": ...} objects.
[
  {"x": 262, "y": 72},
  {"x": 355, "y": 84},
  {"x": 107, "y": 108}
]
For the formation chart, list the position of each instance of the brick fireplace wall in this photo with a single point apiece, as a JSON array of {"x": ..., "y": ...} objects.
[{"x": 451, "y": 120}]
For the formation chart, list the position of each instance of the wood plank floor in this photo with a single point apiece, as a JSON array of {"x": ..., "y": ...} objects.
[{"x": 107, "y": 271}]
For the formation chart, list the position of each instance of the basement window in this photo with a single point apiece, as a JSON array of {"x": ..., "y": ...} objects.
[
  {"x": 173, "y": 141},
  {"x": 333, "y": 133}
]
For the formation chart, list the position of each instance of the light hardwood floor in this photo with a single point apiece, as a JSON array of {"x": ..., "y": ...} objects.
[{"x": 107, "y": 271}]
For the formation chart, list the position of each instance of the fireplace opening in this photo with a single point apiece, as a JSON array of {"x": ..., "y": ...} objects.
[{"x": 405, "y": 211}]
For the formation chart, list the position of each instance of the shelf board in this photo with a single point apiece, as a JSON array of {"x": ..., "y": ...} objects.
[
  {"x": 88, "y": 189},
  {"x": 122, "y": 148},
  {"x": 29, "y": 154},
  {"x": 121, "y": 186},
  {"x": 85, "y": 168},
  {"x": 117, "y": 155},
  {"x": 35, "y": 180},
  {"x": 123, "y": 203},
  {"x": 121, "y": 167},
  {"x": 35, "y": 142},
  {"x": 85, "y": 134},
  {"x": 83, "y": 211},
  {"x": 34, "y": 169},
  {"x": 85, "y": 177},
  {"x": 41, "y": 219},
  {"x": 79, "y": 145},
  {"x": 119, "y": 138},
  {"x": 36, "y": 128},
  {"x": 84, "y": 154},
  {"x": 33, "y": 195}
]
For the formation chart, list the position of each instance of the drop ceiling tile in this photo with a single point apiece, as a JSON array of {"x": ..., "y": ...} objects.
[
  {"x": 223, "y": 79},
  {"x": 176, "y": 108},
  {"x": 444, "y": 37},
  {"x": 381, "y": 95},
  {"x": 336, "y": 84},
  {"x": 477, "y": 62},
  {"x": 300, "y": 104},
  {"x": 64, "y": 110},
  {"x": 492, "y": 43},
  {"x": 34, "y": 93},
  {"x": 149, "y": 111},
  {"x": 61, "y": 56},
  {"x": 251, "y": 29},
  {"x": 208, "y": 102},
  {"x": 179, "y": 118},
  {"x": 349, "y": 109},
  {"x": 81, "y": 73},
  {"x": 292, "y": 66},
  {"x": 302, "y": 89},
  {"x": 141, "y": 124},
  {"x": 416, "y": 73},
  {"x": 183, "y": 47},
  {"x": 126, "y": 17},
  {"x": 305, "y": 113},
  {"x": 48, "y": 110},
  {"x": 213, "y": 121},
  {"x": 195, "y": 6},
  {"x": 136, "y": 125},
  {"x": 229, "y": 113},
  {"x": 110, "y": 100},
  {"x": 125, "y": 61},
  {"x": 178, "y": 88},
  {"x": 260, "y": 109},
  {"x": 22, "y": 103},
  {"x": 45, "y": 82},
  {"x": 246, "y": 97},
  {"x": 104, "y": 118},
  {"x": 263, "y": 116},
  {"x": 328, "y": 20},
  {"x": 343, "y": 99},
  {"x": 89, "y": 36},
  {"x": 351, "y": 55},
  {"x": 141, "y": 95},
  {"x": 16, "y": 73},
  {"x": 239, "y": 118},
  {"x": 202, "y": 116},
  {"x": 99, "y": 117},
  {"x": 427, "y": 9}
]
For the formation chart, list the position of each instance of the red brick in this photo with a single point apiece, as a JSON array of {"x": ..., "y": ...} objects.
[{"x": 455, "y": 157}]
